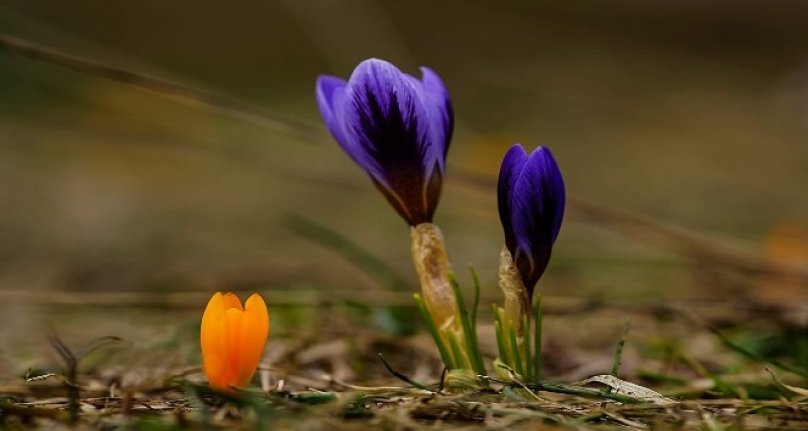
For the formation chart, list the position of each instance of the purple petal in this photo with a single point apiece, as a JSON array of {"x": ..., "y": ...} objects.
[
  {"x": 512, "y": 165},
  {"x": 382, "y": 117},
  {"x": 331, "y": 100},
  {"x": 556, "y": 191},
  {"x": 538, "y": 199},
  {"x": 441, "y": 114},
  {"x": 396, "y": 128},
  {"x": 386, "y": 120}
]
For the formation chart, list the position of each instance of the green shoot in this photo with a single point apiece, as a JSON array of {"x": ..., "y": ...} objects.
[
  {"x": 520, "y": 352},
  {"x": 433, "y": 330},
  {"x": 537, "y": 328},
  {"x": 469, "y": 325}
]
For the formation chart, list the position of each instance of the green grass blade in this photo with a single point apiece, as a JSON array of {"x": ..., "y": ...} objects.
[
  {"x": 527, "y": 350},
  {"x": 516, "y": 356},
  {"x": 348, "y": 249},
  {"x": 537, "y": 328},
  {"x": 433, "y": 330},
  {"x": 503, "y": 341},
  {"x": 472, "y": 350},
  {"x": 476, "y": 304},
  {"x": 757, "y": 357},
  {"x": 503, "y": 352},
  {"x": 402, "y": 376},
  {"x": 460, "y": 358}
]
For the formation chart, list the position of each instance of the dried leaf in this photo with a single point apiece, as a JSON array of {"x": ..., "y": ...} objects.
[{"x": 633, "y": 390}]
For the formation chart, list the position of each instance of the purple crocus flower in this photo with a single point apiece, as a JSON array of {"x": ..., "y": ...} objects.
[
  {"x": 395, "y": 127},
  {"x": 531, "y": 207}
]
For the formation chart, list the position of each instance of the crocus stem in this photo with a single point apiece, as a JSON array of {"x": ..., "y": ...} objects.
[
  {"x": 516, "y": 300},
  {"x": 432, "y": 265},
  {"x": 442, "y": 303}
]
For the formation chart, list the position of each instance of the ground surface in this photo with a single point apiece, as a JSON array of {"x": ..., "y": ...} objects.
[
  {"x": 680, "y": 128},
  {"x": 331, "y": 377}
]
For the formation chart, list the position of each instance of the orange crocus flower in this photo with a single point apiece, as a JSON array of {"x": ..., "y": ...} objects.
[{"x": 233, "y": 339}]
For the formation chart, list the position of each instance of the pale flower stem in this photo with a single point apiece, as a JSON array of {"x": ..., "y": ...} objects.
[
  {"x": 439, "y": 340},
  {"x": 442, "y": 301},
  {"x": 516, "y": 301},
  {"x": 515, "y": 319},
  {"x": 433, "y": 268}
]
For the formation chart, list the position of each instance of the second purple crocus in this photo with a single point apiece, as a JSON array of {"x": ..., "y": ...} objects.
[
  {"x": 395, "y": 127},
  {"x": 531, "y": 201}
]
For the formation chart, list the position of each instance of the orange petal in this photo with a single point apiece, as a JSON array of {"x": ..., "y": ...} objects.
[
  {"x": 254, "y": 332},
  {"x": 213, "y": 339},
  {"x": 233, "y": 317},
  {"x": 232, "y": 301}
]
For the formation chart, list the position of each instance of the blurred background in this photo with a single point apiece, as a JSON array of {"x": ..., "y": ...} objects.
[{"x": 681, "y": 128}]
